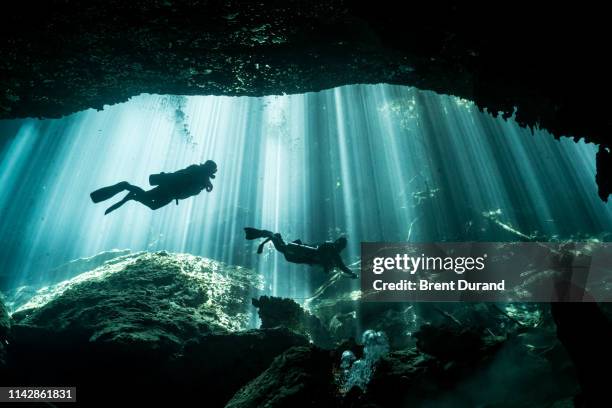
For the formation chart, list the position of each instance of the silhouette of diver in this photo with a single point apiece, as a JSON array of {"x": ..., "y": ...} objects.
[
  {"x": 179, "y": 185},
  {"x": 327, "y": 254}
]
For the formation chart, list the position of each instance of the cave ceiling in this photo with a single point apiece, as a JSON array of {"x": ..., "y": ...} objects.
[{"x": 548, "y": 64}]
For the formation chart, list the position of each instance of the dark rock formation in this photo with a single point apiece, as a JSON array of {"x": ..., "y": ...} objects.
[
  {"x": 167, "y": 328},
  {"x": 218, "y": 363},
  {"x": 147, "y": 297},
  {"x": 586, "y": 332},
  {"x": 502, "y": 375},
  {"x": 301, "y": 377},
  {"x": 66, "y": 55},
  {"x": 223, "y": 363},
  {"x": 344, "y": 314},
  {"x": 455, "y": 343},
  {"x": 5, "y": 326},
  {"x": 405, "y": 375},
  {"x": 275, "y": 312},
  {"x": 603, "y": 162},
  {"x": 493, "y": 373},
  {"x": 149, "y": 327},
  {"x": 343, "y": 325}
]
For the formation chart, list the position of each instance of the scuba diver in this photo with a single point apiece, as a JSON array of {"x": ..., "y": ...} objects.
[
  {"x": 179, "y": 185},
  {"x": 327, "y": 254}
]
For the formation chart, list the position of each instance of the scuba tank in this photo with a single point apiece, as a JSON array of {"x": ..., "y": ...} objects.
[{"x": 160, "y": 178}]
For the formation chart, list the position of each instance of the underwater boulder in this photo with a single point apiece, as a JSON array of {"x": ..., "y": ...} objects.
[
  {"x": 300, "y": 377},
  {"x": 343, "y": 325},
  {"x": 342, "y": 309},
  {"x": 80, "y": 265},
  {"x": 211, "y": 367},
  {"x": 147, "y": 321},
  {"x": 222, "y": 363},
  {"x": 283, "y": 312},
  {"x": 585, "y": 330},
  {"x": 177, "y": 294},
  {"x": 343, "y": 318},
  {"x": 402, "y": 375},
  {"x": 19, "y": 296},
  {"x": 454, "y": 342},
  {"x": 485, "y": 372}
]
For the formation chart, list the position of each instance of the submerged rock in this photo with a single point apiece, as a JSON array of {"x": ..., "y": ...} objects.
[
  {"x": 149, "y": 326},
  {"x": 481, "y": 372},
  {"x": 300, "y": 377},
  {"x": 18, "y": 297},
  {"x": 585, "y": 330},
  {"x": 343, "y": 325},
  {"x": 149, "y": 294},
  {"x": 170, "y": 328},
  {"x": 455, "y": 343},
  {"x": 222, "y": 363},
  {"x": 77, "y": 266},
  {"x": 275, "y": 312}
]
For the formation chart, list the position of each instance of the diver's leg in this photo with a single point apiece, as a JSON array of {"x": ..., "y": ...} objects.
[
  {"x": 154, "y": 198},
  {"x": 277, "y": 241},
  {"x": 279, "y": 244}
]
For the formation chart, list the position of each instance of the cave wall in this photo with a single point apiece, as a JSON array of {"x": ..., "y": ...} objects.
[{"x": 548, "y": 62}]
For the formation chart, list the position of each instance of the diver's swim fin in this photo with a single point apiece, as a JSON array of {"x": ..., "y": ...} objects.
[
  {"x": 105, "y": 193},
  {"x": 254, "y": 233},
  {"x": 261, "y": 246},
  {"x": 113, "y": 207}
]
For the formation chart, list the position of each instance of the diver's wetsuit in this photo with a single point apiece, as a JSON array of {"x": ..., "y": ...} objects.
[
  {"x": 170, "y": 186},
  {"x": 327, "y": 254}
]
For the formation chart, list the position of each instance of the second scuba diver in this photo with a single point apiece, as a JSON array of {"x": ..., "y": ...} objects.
[{"x": 326, "y": 254}]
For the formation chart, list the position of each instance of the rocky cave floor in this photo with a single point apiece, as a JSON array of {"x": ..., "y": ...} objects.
[{"x": 155, "y": 327}]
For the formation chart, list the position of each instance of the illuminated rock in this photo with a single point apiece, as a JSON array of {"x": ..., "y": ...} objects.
[
  {"x": 150, "y": 327},
  {"x": 178, "y": 293}
]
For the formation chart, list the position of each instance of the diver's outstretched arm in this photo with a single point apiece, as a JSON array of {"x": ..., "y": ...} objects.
[{"x": 340, "y": 265}]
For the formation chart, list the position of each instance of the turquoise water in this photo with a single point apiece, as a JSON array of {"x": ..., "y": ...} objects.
[{"x": 373, "y": 163}]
